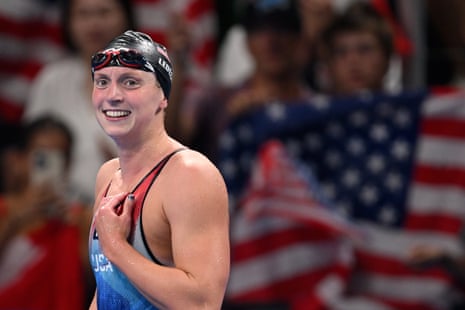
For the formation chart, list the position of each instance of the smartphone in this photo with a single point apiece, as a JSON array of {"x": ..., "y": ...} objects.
[{"x": 48, "y": 167}]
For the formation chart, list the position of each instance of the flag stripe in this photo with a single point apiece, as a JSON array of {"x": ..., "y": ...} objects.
[
  {"x": 284, "y": 263},
  {"x": 381, "y": 265},
  {"x": 401, "y": 304},
  {"x": 401, "y": 292},
  {"x": 440, "y": 152},
  {"x": 198, "y": 8},
  {"x": 273, "y": 241},
  {"x": 20, "y": 69},
  {"x": 281, "y": 288},
  {"x": 10, "y": 111},
  {"x": 430, "y": 199},
  {"x": 443, "y": 176},
  {"x": 32, "y": 30},
  {"x": 444, "y": 127},
  {"x": 441, "y": 223}
]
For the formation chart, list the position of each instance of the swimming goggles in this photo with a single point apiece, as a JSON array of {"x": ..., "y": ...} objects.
[{"x": 120, "y": 57}]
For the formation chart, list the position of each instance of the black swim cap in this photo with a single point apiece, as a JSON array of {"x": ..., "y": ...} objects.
[{"x": 154, "y": 53}]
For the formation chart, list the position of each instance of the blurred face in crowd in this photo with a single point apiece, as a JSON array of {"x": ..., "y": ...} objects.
[
  {"x": 356, "y": 62},
  {"x": 18, "y": 164},
  {"x": 316, "y": 15},
  {"x": 52, "y": 141},
  {"x": 274, "y": 51},
  {"x": 94, "y": 23}
]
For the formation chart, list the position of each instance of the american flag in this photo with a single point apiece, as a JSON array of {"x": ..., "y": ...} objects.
[
  {"x": 390, "y": 164},
  {"x": 30, "y": 37}
]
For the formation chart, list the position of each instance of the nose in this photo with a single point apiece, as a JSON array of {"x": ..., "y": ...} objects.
[{"x": 114, "y": 93}]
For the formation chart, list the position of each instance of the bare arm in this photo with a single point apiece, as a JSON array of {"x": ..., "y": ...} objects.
[
  {"x": 93, "y": 305},
  {"x": 195, "y": 205}
]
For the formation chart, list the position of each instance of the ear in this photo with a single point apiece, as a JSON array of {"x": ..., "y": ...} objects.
[{"x": 164, "y": 103}]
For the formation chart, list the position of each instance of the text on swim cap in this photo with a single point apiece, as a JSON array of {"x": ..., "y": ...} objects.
[{"x": 165, "y": 66}]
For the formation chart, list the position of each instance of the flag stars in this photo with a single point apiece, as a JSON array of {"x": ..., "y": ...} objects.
[
  {"x": 351, "y": 178},
  {"x": 320, "y": 102},
  {"x": 245, "y": 133},
  {"x": 335, "y": 130},
  {"x": 369, "y": 195},
  {"x": 329, "y": 190},
  {"x": 276, "y": 111},
  {"x": 344, "y": 209},
  {"x": 379, "y": 132},
  {"x": 360, "y": 158},
  {"x": 376, "y": 163},
  {"x": 402, "y": 118},
  {"x": 333, "y": 158},
  {"x": 387, "y": 215},
  {"x": 393, "y": 181},
  {"x": 228, "y": 169},
  {"x": 355, "y": 146},
  {"x": 358, "y": 119},
  {"x": 400, "y": 150},
  {"x": 227, "y": 141}
]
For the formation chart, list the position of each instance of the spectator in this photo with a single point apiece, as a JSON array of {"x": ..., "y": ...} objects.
[
  {"x": 64, "y": 88},
  {"x": 357, "y": 49},
  {"x": 234, "y": 60},
  {"x": 273, "y": 40},
  {"x": 445, "y": 43},
  {"x": 10, "y": 137},
  {"x": 316, "y": 16},
  {"x": 44, "y": 233}
]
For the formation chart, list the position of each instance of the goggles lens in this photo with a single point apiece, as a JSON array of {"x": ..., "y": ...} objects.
[{"x": 126, "y": 58}]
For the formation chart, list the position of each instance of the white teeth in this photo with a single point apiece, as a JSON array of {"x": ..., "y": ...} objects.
[{"x": 116, "y": 113}]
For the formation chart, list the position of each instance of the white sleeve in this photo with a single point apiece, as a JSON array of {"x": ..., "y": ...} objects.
[
  {"x": 41, "y": 94},
  {"x": 234, "y": 63}
]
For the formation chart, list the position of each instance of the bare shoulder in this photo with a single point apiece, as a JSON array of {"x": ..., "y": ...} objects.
[
  {"x": 195, "y": 177},
  {"x": 192, "y": 164},
  {"x": 107, "y": 169},
  {"x": 104, "y": 174}
]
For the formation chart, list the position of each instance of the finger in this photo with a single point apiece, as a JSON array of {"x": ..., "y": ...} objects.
[
  {"x": 113, "y": 202},
  {"x": 116, "y": 199},
  {"x": 117, "y": 202},
  {"x": 128, "y": 205}
]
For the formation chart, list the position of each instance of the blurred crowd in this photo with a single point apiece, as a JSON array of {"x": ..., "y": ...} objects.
[{"x": 231, "y": 59}]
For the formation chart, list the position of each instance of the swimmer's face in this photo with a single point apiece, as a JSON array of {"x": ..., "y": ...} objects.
[{"x": 127, "y": 101}]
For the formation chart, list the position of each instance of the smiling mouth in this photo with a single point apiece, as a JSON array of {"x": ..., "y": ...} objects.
[{"x": 116, "y": 113}]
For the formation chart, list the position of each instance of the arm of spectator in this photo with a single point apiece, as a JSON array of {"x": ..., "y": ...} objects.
[
  {"x": 19, "y": 211},
  {"x": 248, "y": 99},
  {"x": 424, "y": 256}
]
